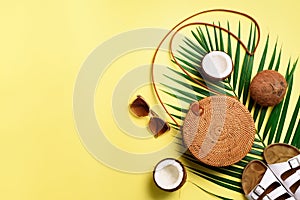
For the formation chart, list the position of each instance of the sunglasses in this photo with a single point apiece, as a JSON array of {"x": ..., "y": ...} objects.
[{"x": 140, "y": 108}]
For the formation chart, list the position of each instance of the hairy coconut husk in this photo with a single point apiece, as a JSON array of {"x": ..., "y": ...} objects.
[{"x": 268, "y": 88}]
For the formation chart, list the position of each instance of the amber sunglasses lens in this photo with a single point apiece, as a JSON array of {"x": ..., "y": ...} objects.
[
  {"x": 139, "y": 107},
  {"x": 158, "y": 126}
]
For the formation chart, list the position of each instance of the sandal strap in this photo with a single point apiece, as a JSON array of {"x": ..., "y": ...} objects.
[
  {"x": 275, "y": 193},
  {"x": 267, "y": 180},
  {"x": 291, "y": 180},
  {"x": 280, "y": 168},
  {"x": 291, "y": 198},
  {"x": 297, "y": 193}
]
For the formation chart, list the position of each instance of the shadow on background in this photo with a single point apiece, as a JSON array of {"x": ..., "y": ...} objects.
[{"x": 157, "y": 193}]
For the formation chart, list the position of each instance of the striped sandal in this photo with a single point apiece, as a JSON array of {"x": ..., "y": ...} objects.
[
  {"x": 259, "y": 183},
  {"x": 284, "y": 161}
]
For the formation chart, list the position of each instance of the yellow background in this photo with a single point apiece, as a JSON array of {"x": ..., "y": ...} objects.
[{"x": 42, "y": 47}]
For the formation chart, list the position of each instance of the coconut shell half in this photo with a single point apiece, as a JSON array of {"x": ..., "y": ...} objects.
[
  {"x": 169, "y": 175},
  {"x": 216, "y": 65},
  {"x": 220, "y": 132}
]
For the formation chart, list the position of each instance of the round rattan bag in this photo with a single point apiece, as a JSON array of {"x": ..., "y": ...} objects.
[{"x": 218, "y": 130}]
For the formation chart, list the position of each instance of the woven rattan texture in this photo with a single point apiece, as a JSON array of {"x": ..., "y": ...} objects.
[{"x": 222, "y": 133}]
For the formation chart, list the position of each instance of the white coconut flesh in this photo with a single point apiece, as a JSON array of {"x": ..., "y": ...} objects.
[
  {"x": 169, "y": 174},
  {"x": 217, "y": 64}
]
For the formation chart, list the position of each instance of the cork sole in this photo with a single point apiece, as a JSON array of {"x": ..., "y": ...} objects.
[
  {"x": 277, "y": 153},
  {"x": 252, "y": 175}
]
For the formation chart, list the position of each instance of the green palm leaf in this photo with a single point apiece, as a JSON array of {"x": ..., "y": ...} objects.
[
  {"x": 292, "y": 122},
  {"x": 275, "y": 119},
  {"x": 237, "y": 60}
]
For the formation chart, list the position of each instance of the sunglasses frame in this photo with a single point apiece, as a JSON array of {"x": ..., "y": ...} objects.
[{"x": 156, "y": 125}]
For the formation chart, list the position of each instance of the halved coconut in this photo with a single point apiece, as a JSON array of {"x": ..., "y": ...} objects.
[
  {"x": 169, "y": 174},
  {"x": 217, "y": 65}
]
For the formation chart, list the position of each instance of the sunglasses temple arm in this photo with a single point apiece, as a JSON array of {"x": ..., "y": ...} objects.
[{"x": 153, "y": 114}]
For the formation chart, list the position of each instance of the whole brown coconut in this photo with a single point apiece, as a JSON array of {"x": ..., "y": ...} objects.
[{"x": 268, "y": 88}]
